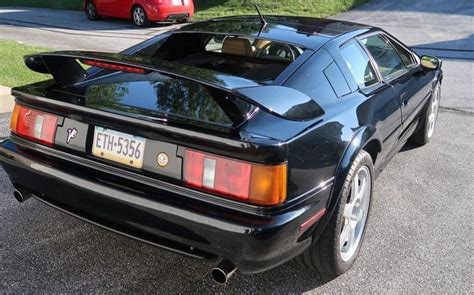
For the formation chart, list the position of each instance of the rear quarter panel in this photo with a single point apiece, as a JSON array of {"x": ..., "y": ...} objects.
[
  {"x": 352, "y": 119},
  {"x": 314, "y": 154}
]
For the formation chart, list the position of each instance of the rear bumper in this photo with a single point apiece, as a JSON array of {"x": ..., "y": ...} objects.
[
  {"x": 159, "y": 13},
  {"x": 253, "y": 242}
]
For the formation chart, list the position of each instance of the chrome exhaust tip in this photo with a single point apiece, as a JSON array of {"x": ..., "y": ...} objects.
[
  {"x": 223, "y": 271},
  {"x": 21, "y": 195}
]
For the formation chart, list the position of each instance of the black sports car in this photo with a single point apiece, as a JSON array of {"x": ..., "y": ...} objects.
[{"x": 250, "y": 140}]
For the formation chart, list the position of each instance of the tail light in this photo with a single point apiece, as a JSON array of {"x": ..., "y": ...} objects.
[
  {"x": 248, "y": 182},
  {"x": 34, "y": 125}
]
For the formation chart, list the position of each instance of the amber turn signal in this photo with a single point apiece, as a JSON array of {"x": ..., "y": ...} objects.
[
  {"x": 268, "y": 184},
  {"x": 243, "y": 181}
]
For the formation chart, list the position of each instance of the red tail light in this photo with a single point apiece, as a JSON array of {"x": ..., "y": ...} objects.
[
  {"x": 34, "y": 125},
  {"x": 113, "y": 66},
  {"x": 248, "y": 182}
]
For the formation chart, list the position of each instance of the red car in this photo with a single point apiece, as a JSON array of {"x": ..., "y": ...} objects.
[{"x": 142, "y": 12}]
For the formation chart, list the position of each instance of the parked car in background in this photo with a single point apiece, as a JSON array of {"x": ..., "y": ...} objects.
[
  {"x": 253, "y": 141},
  {"x": 142, "y": 12}
]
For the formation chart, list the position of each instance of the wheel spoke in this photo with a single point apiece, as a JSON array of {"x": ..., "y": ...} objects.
[
  {"x": 360, "y": 216},
  {"x": 352, "y": 238},
  {"x": 348, "y": 211}
]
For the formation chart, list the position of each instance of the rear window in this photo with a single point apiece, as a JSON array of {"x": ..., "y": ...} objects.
[
  {"x": 165, "y": 98},
  {"x": 254, "y": 59}
]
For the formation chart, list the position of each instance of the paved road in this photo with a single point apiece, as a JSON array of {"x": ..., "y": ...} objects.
[
  {"x": 420, "y": 234},
  {"x": 71, "y": 30}
]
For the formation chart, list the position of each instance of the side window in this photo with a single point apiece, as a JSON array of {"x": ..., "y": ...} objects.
[
  {"x": 359, "y": 64},
  {"x": 405, "y": 55},
  {"x": 386, "y": 57},
  {"x": 312, "y": 79},
  {"x": 337, "y": 80},
  {"x": 215, "y": 44}
]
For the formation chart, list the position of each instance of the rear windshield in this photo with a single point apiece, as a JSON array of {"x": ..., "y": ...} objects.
[
  {"x": 159, "y": 96},
  {"x": 254, "y": 59}
]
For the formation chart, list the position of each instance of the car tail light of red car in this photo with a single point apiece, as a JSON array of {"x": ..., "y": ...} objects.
[
  {"x": 248, "y": 182},
  {"x": 34, "y": 125}
]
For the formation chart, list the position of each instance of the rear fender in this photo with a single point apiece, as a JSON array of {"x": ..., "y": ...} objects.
[{"x": 358, "y": 142}]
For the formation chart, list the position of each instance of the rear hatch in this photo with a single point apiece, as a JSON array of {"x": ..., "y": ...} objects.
[
  {"x": 163, "y": 91},
  {"x": 159, "y": 98},
  {"x": 162, "y": 120}
]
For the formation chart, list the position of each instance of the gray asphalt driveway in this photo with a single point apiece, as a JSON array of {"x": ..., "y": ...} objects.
[
  {"x": 419, "y": 238},
  {"x": 60, "y": 29}
]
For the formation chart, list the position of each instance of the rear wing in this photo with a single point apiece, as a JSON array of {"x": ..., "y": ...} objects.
[{"x": 66, "y": 69}]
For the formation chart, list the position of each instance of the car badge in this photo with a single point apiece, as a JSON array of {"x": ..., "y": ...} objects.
[
  {"x": 162, "y": 159},
  {"x": 71, "y": 134}
]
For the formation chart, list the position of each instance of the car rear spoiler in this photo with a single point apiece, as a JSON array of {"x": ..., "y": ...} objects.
[{"x": 282, "y": 101}]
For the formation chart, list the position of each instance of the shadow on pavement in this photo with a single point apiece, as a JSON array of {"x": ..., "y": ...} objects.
[
  {"x": 453, "y": 49},
  {"x": 52, "y": 252},
  {"x": 425, "y": 6}
]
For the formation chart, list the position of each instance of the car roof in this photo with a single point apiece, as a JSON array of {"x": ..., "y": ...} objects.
[{"x": 310, "y": 33}]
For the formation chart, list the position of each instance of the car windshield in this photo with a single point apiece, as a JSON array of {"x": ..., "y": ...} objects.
[{"x": 254, "y": 59}]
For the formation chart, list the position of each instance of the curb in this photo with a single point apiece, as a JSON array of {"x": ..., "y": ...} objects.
[
  {"x": 6, "y": 107},
  {"x": 6, "y": 100}
]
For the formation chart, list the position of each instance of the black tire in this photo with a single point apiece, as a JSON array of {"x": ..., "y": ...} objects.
[
  {"x": 139, "y": 17},
  {"x": 424, "y": 134},
  {"x": 91, "y": 11},
  {"x": 325, "y": 255},
  {"x": 183, "y": 20}
]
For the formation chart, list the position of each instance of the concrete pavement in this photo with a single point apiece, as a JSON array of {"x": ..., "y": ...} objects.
[
  {"x": 60, "y": 29},
  {"x": 6, "y": 106},
  {"x": 419, "y": 238},
  {"x": 6, "y": 100},
  {"x": 440, "y": 27}
]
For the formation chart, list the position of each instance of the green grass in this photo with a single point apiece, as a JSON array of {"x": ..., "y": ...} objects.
[
  {"x": 13, "y": 71},
  {"x": 215, "y": 8},
  {"x": 316, "y": 8}
]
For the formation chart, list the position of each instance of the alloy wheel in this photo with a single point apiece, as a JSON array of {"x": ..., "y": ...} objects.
[
  {"x": 433, "y": 114},
  {"x": 91, "y": 10},
  {"x": 138, "y": 16},
  {"x": 355, "y": 213}
]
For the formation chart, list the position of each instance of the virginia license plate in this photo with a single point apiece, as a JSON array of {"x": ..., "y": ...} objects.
[{"x": 118, "y": 147}]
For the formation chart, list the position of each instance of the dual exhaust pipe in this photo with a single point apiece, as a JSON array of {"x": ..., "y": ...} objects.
[{"x": 221, "y": 273}]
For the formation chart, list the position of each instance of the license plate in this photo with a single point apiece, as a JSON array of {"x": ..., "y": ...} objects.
[
  {"x": 118, "y": 147},
  {"x": 178, "y": 2}
]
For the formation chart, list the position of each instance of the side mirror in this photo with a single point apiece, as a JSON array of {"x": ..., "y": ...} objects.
[{"x": 430, "y": 62}]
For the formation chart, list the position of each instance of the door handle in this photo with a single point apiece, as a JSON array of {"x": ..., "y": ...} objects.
[{"x": 405, "y": 101}]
